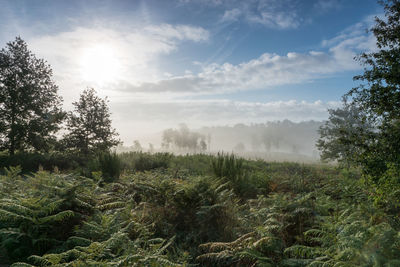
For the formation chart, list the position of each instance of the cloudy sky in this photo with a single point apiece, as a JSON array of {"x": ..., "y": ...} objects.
[{"x": 202, "y": 62}]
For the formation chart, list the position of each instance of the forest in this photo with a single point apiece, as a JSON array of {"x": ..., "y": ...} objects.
[{"x": 67, "y": 198}]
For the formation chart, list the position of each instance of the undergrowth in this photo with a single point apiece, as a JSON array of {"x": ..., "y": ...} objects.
[{"x": 162, "y": 210}]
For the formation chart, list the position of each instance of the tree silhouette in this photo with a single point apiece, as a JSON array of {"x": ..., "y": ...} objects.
[
  {"x": 137, "y": 146},
  {"x": 89, "y": 125},
  {"x": 184, "y": 139},
  {"x": 30, "y": 111}
]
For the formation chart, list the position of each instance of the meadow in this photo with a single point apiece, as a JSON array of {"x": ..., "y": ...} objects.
[{"x": 141, "y": 209}]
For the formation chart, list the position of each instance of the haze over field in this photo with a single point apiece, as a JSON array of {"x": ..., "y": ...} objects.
[
  {"x": 256, "y": 133},
  {"x": 206, "y": 63}
]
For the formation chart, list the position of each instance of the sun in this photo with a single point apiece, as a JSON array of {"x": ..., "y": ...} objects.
[{"x": 100, "y": 64}]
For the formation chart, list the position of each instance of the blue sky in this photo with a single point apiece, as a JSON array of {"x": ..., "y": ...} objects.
[{"x": 202, "y": 62}]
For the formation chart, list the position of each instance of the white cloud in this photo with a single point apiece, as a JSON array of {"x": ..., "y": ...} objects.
[
  {"x": 145, "y": 97},
  {"x": 270, "y": 70},
  {"x": 351, "y": 41},
  {"x": 325, "y": 5},
  {"x": 231, "y": 15},
  {"x": 264, "y": 72},
  {"x": 135, "y": 50},
  {"x": 274, "y": 19},
  {"x": 272, "y": 14},
  {"x": 355, "y": 36},
  {"x": 204, "y": 2},
  {"x": 276, "y": 14},
  {"x": 168, "y": 32}
]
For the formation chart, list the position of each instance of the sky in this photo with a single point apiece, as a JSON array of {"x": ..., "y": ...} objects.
[{"x": 199, "y": 62}]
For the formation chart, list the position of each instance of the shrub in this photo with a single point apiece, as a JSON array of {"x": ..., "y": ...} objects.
[
  {"x": 30, "y": 162},
  {"x": 243, "y": 179},
  {"x": 51, "y": 206},
  {"x": 141, "y": 161},
  {"x": 228, "y": 166},
  {"x": 110, "y": 166}
]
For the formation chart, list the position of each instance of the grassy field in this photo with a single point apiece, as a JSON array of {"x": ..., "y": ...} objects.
[{"x": 140, "y": 209}]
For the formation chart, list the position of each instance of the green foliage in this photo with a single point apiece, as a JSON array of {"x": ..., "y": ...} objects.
[
  {"x": 110, "y": 166},
  {"x": 244, "y": 180},
  {"x": 342, "y": 136},
  {"x": 89, "y": 125},
  {"x": 38, "y": 212},
  {"x": 228, "y": 166},
  {"x": 378, "y": 97},
  {"x": 333, "y": 224},
  {"x": 197, "y": 164},
  {"x": 30, "y": 112},
  {"x": 366, "y": 131},
  {"x": 141, "y": 161},
  {"x": 30, "y": 162},
  {"x": 295, "y": 215}
]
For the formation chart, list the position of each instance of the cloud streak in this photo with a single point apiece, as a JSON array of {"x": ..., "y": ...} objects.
[
  {"x": 264, "y": 72},
  {"x": 275, "y": 14}
]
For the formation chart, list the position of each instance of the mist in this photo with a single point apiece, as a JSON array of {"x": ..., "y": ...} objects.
[{"x": 281, "y": 140}]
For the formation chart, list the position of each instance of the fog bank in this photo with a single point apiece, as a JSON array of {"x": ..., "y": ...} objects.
[{"x": 273, "y": 141}]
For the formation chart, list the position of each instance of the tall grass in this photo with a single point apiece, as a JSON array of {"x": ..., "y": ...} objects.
[
  {"x": 246, "y": 181},
  {"x": 228, "y": 166},
  {"x": 141, "y": 161}
]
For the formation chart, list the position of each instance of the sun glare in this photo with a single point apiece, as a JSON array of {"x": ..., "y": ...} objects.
[{"x": 99, "y": 64}]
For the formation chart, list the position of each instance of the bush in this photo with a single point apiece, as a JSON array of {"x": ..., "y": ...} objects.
[
  {"x": 30, "y": 162},
  {"x": 140, "y": 161},
  {"x": 228, "y": 166},
  {"x": 245, "y": 178},
  {"x": 196, "y": 164},
  {"x": 110, "y": 166},
  {"x": 51, "y": 207}
]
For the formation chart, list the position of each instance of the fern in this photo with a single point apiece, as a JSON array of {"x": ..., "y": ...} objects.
[
  {"x": 302, "y": 251},
  {"x": 35, "y": 218}
]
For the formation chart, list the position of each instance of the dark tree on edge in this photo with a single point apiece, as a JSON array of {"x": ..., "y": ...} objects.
[
  {"x": 30, "y": 108},
  {"x": 377, "y": 151},
  {"x": 379, "y": 94}
]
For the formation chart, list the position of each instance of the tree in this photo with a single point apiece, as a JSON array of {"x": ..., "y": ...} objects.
[
  {"x": 183, "y": 139},
  {"x": 167, "y": 138},
  {"x": 151, "y": 148},
  {"x": 379, "y": 93},
  {"x": 202, "y": 145},
  {"x": 341, "y": 136},
  {"x": 30, "y": 108},
  {"x": 137, "y": 146},
  {"x": 89, "y": 125}
]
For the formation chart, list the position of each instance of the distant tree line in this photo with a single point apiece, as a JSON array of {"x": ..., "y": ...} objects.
[
  {"x": 183, "y": 139},
  {"x": 274, "y": 136},
  {"x": 31, "y": 114}
]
